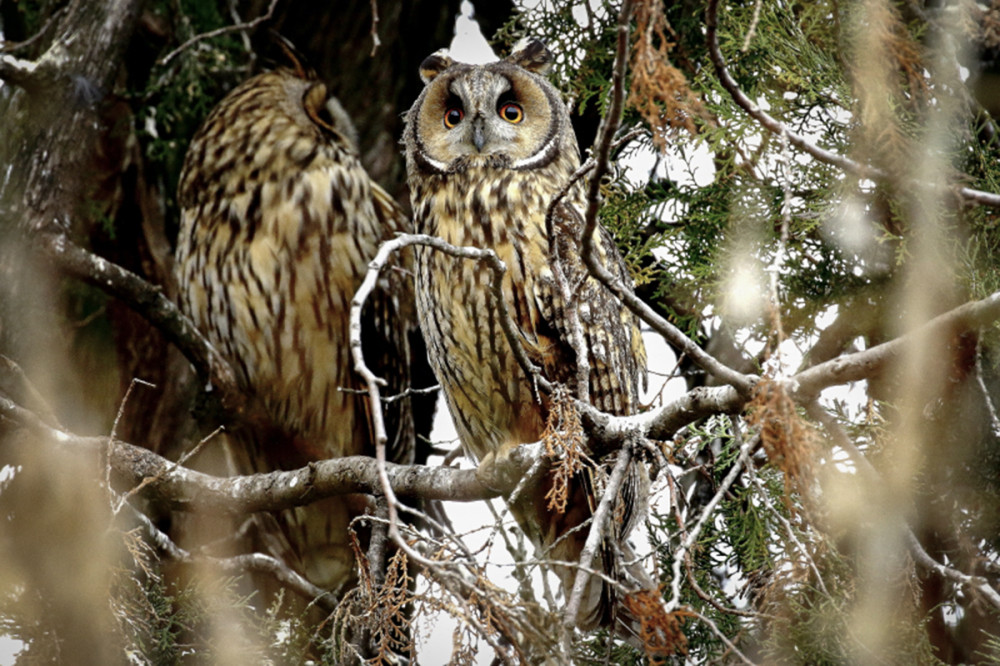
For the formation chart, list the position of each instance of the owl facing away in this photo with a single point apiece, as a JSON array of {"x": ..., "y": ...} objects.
[
  {"x": 488, "y": 150},
  {"x": 279, "y": 221}
]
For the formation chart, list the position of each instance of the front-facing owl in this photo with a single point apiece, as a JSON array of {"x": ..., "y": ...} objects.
[{"x": 490, "y": 153}]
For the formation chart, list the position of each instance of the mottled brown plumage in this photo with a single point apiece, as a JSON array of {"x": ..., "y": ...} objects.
[
  {"x": 484, "y": 174},
  {"x": 279, "y": 221}
]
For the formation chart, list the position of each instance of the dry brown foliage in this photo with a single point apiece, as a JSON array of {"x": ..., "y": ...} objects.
[
  {"x": 659, "y": 631},
  {"x": 789, "y": 441},
  {"x": 564, "y": 443},
  {"x": 989, "y": 28},
  {"x": 659, "y": 91},
  {"x": 383, "y": 612},
  {"x": 889, "y": 75}
]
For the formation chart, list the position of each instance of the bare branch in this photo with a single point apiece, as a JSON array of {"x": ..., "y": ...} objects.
[
  {"x": 692, "y": 535},
  {"x": 256, "y": 562},
  {"x": 610, "y": 124},
  {"x": 373, "y": 382},
  {"x": 605, "y": 433},
  {"x": 185, "y": 489},
  {"x": 596, "y": 535},
  {"x": 376, "y": 42},
  {"x": 775, "y": 126},
  {"x": 148, "y": 301},
  {"x": 742, "y": 383},
  {"x": 722, "y": 636},
  {"x": 806, "y": 385},
  {"x": 10, "y": 47},
  {"x": 241, "y": 27}
]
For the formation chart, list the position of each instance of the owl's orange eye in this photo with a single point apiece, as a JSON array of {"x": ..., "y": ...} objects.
[
  {"x": 453, "y": 116},
  {"x": 512, "y": 113}
]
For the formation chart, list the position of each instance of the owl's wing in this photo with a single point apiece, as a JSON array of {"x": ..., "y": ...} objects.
[
  {"x": 607, "y": 329},
  {"x": 578, "y": 311}
]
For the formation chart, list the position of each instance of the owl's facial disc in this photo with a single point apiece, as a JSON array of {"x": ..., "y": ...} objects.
[{"x": 497, "y": 115}]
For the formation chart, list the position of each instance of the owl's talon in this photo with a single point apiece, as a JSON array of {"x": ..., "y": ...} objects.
[{"x": 497, "y": 471}]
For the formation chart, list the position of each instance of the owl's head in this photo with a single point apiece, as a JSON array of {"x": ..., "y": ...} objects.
[{"x": 503, "y": 114}]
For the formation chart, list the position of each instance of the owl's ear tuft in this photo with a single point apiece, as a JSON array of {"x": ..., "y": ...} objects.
[
  {"x": 532, "y": 55},
  {"x": 434, "y": 64}
]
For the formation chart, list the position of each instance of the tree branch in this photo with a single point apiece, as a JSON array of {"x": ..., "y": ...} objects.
[
  {"x": 184, "y": 489},
  {"x": 249, "y": 25},
  {"x": 357, "y": 353},
  {"x": 775, "y": 126},
  {"x": 806, "y": 385},
  {"x": 17, "y": 71},
  {"x": 596, "y": 535},
  {"x": 742, "y": 383},
  {"x": 148, "y": 301},
  {"x": 839, "y": 436},
  {"x": 250, "y": 562}
]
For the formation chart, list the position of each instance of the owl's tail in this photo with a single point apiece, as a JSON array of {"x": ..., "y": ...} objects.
[
  {"x": 563, "y": 535},
  {"x": 314, "y": 539}
]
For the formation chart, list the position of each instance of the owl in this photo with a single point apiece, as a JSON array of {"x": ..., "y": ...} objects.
[
  {"x": 489, "y": 150},
  {"x": 278, "y": 223}
]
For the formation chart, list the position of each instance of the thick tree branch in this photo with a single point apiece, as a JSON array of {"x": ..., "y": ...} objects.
[
  {"x": 18, "y": 72},
  {"x": 181, "y": 488},
  {"x": 148, "y": 301},
  {"x": 775, "y": 126},
  {"x": 806, "y": 385},
  {"x": 606, "y": 433}
]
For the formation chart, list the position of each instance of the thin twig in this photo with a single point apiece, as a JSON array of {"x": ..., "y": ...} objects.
[
  {"x": 987, "y": 398},
  {"x": 15, "y": 383},
  {"x": 257, "y": 562},
  {"x": 605, "y": 141},
  {"x": 836, "y": 431},
  {"x": 376, "y": 42},
  {"x": 357, "y": 304},
  {"x": 722, "y": 636},
  {"x": 166, "y": 470},
  {"x": 11, "y": 47},
  {"x": 114, "y": 432},
  {"x": 225, "y": 30},
  {"x": 692, "y": 535}
]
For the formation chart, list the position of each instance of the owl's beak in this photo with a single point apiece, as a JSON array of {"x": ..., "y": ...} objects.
[{"x": 479, "y": 134}]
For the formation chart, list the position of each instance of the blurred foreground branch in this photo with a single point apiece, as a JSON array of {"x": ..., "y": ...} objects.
[{"x": 150, "y": 302}]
